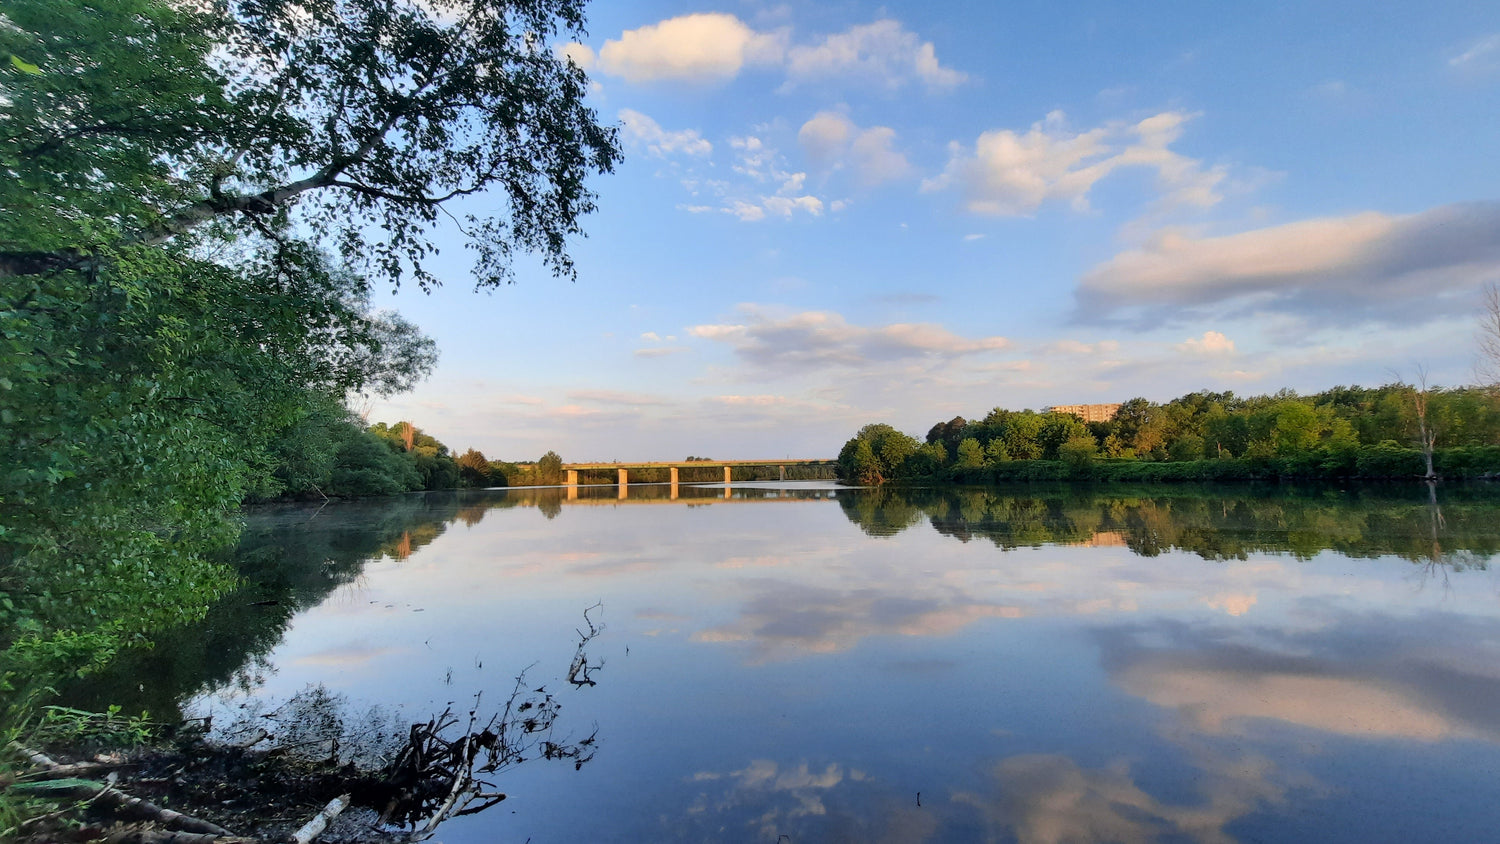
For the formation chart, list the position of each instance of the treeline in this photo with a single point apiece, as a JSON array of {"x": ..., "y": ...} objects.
[
  {"x": 1345, "y": 432},
  {"x": 329, "y": 453}
]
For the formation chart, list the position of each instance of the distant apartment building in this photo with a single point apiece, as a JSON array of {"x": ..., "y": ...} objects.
[{"x": 1087, "y": 412}]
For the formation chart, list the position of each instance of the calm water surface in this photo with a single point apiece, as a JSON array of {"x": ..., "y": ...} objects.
[{"x": 1040, "y": 664}]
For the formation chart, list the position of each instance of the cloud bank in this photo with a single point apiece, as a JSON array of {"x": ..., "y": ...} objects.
[
  {"x": 1364, "y": 267},
  {"x": 821, "y": 339}
]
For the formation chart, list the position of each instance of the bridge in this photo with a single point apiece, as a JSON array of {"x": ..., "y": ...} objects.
[{"x": 673, "y": 467}]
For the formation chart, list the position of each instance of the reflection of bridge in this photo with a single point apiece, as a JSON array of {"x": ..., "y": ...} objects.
[{"x": 673, "y": 467}]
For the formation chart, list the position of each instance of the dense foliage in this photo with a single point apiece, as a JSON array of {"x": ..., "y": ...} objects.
[
  {"x": 194, "y": 196},
  {"x": 1342, "y": 432},
  {"x": 365, "y": 121}
]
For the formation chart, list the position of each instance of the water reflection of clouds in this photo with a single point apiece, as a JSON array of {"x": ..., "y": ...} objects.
[
  {"x": 1427, "y": 679},
  {"x": 351, "y": 655},
  {"x": 784, "y": 619},
  {"x": 766, "y": 800},
  {"x": 1050, "y": 799}
]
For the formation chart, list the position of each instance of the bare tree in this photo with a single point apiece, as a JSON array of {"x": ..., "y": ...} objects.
[
  {"x": 1488, "y": 368},
  {"x": 1426, "y": 432}
]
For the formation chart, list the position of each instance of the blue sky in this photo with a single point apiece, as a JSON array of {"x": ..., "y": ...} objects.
[{"x": 837, "y": 213}]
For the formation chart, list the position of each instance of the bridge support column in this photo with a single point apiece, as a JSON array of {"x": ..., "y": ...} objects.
[
  {"x": 672, "y": 472},
  {"x": 624, "y": 481},
  {"x": 573, "y": 478},
  {"x": 726, "y": 476},
  {"x": 783, "y": 472}
]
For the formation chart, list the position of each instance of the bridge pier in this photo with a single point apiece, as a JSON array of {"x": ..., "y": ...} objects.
[
  {"x": 726, "y": 476},
  {"x": 624, "y": 481},
  {"x": 573, "y": 480},
  {"x": 672, "y": 473},
  {"x": 783, "y": 472}
]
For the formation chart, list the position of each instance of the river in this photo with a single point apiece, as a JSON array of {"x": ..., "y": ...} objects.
[{"x": 806, "y": 662}]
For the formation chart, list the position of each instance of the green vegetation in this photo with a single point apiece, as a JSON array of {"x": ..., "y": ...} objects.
[
  {"x": 175, "y": 335},
  {"x": 1213, "y": 521},
  {"x": 1345, "y": 432}
]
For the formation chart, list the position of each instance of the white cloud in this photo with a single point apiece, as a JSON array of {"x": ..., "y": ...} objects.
[
  {"x": 810, "y": 339},
  {"x": 1479, "y": 53},
  {"x": 704, "y": 47},
  {"x": 643, "y": 131},
  {"x": 753, "y": 401},
  {"x": 580, "y": 54},
  {"x": 1332, "y": 89},
  {"x": 659, "y": 351},
  {"x": 883, "y": 51},
  {"x": 745, "y": 211},
  {"x": 825, "y": 136},
  {"x": 832, "y": 140},
  {"x": 785, "y": 205},
  {"x": 755, "y": 159},
  {"x": 1210, "y": 344},
  {"x": 614, "y": 397},
  {"x": 1010, "y": 173},
  {"x": 1077, "y": 348},
  {"x": 713, "y": 47},
  {"x": 1407, "y": 269}
]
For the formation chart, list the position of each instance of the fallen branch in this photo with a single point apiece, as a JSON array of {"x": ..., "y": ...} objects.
[
  {"x": 76, "y": 769},
  {"x": 135, "y": 807},
  {"x": 313, "y": 828},
  {"x": 166, "y": 836}
]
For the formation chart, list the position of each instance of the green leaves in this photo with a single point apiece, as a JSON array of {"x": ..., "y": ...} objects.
[{"x": 24, "y": 66}]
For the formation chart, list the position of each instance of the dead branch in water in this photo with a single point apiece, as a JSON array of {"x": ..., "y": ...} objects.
[
  {"x": 440, "y": 774},
  {"x": 579, "y": 670}
]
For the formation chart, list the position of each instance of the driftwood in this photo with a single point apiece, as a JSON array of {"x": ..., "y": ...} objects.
[
  {"x": 104, "y": 793},
  {"x": 313, "y": 828},
  {"x": 166, "y": 836},
  {"x": 46, "y": 768}
]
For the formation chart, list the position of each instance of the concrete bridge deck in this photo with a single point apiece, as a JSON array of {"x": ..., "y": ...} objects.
[{"x": 674, "y": 466}]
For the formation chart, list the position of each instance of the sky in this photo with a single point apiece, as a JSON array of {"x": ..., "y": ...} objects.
[{"x": 837, "y": 213}]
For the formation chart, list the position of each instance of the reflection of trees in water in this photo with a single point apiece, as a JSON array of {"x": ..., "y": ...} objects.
[
  {"x": 1213, "y": 523},
  {"x": 290, "y": 558}
]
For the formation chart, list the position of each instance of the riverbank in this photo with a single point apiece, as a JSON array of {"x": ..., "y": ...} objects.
[{"x": 1363, "y": 464}]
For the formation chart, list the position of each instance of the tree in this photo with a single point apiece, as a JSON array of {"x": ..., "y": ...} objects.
[
  {"x": 1078, "y": 451},
  {"x": 473, "y": 468},
  {"x": 141, "y": 403},
  {"x": 877, "y": 453},
  {"x": 1426, "y": 428},
  {"x": 140, "y": 121},
  {"x": 949, "y": 433},
  {"x": 1489, "y": 339},
  {"x": 549, "y": 469}
]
